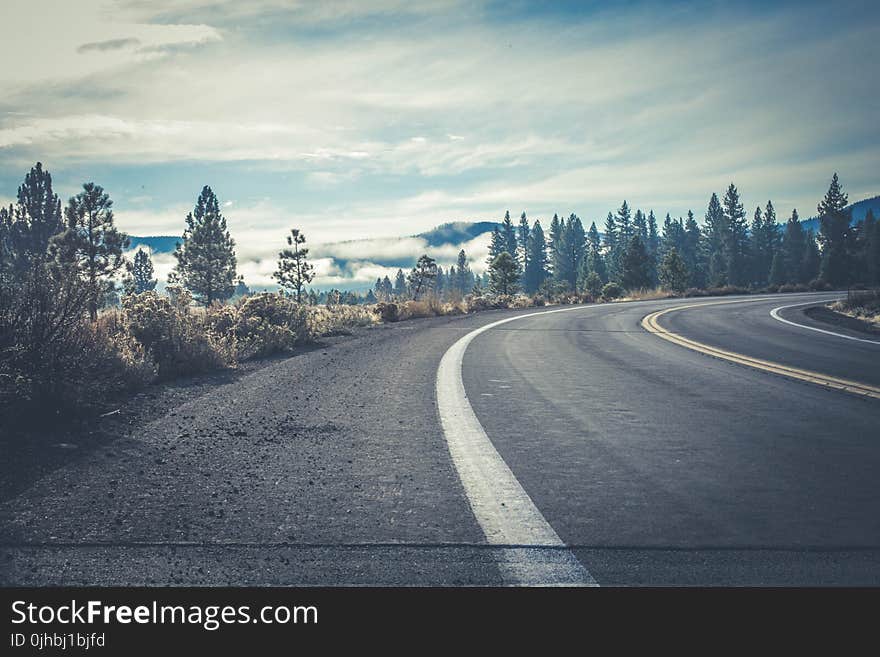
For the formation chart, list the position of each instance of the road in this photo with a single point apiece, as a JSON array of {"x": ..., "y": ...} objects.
[{"x": 652, "y": 463}]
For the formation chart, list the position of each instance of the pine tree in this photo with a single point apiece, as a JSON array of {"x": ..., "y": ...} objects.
[
  {"x": 757, "y": 249},
  {"x": 715, "y": 230},
  {"x": 464, "y": 281},
  {"x": 736, "y": 242},
  {"x": 554, "y": 243},
  {"x": 140, "y": 274},
  {"x": 834, "y": 234},
  {"x": 811, "y": 263},
  {"x": 508, "y": 232},
  {"x": 206, "y": 257},
  {"x": 595, "y": 258},
  {"x": 611, "y": 247},
  {"x": 34, "y": 220},
  {"x": 692, "y": 253},
  {"x": 504, "y": 272},
  {"x": 400, "y": 289},
  {"x": 673, "y": 272},
  {"x": 422, "y": 277},
  {"x": 536, "y": 264},
  {"x": 92, "y": 242},
  {"x": 635, "y": 266},
  {"x": 522, "y": 241},
  {"x": 497, "y": 244},
  {"x": 294, "y": 270},
  {"x": 571, "y": 252},
  {"x": 653, "y": 243},
  {"x": 640, "y": 226},
  {"x": 777, "y": 270},
  {"x": 792, "y": 251}
]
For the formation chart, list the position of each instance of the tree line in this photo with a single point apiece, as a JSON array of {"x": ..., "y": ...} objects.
[{"x": 633, "y": 252}]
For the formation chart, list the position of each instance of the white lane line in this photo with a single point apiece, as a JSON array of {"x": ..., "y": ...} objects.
[
  {"x": 535, "y": 555},
  {"x": 775, "y": 315}
]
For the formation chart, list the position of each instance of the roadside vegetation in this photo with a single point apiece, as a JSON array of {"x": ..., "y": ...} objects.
[
  {"x": 81, "y": 326},
  {"x": 861, "y": 304}
]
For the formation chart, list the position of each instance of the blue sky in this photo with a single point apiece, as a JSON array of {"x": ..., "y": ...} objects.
[{"x": 360, "y": 119}]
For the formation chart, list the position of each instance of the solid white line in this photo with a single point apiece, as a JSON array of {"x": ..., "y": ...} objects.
[
  {"x": 503, "y": 509},
  {"x": 775, "y": 315}
]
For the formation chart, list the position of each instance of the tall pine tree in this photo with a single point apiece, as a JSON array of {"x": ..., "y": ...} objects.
[{"x": 206, "y": 257}]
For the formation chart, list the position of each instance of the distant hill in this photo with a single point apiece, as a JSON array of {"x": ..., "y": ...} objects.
[
  {"x": 859, "y": 209},
  {"x": 457, "y": 232},
  {"x": 156, "y": 243}
]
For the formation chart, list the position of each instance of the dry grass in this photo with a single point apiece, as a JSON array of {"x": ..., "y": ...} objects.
[
  {"x": 861, "y": 304},
  {"x": 648, "y": 294}
]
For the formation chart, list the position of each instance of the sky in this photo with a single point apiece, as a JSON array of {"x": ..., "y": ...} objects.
[{"x": 361, "y": 119}]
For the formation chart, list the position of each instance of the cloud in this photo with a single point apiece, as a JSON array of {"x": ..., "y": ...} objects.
[{"x": 111, "y": 44}]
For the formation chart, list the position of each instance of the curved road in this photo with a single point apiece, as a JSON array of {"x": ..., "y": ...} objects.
[
  {"x": 660, "y": 465},
  {"x": 616, "y": 457}
]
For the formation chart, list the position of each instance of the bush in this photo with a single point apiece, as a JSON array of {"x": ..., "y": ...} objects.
[
  {"x": 177, "y": 341},
  {"x": 337, "y": 320},
  {"x": 611, "y": 291},
  {"x": 52, "y": 358},
  {"x": 388, "y": 311},
  {"x": 261, "y": 324}
]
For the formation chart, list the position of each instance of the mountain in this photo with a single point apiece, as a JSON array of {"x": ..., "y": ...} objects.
[
  {"x": 859, "y": 209},
  {"x": 457, "y": 232},
  {"x": 156, "y": 243}
]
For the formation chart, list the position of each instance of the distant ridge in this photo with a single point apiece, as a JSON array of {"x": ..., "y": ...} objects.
[
  {"x": 456, "y": 232},
  {"x": 156, "y": 243},
  {"x": 859, "y": 209}
]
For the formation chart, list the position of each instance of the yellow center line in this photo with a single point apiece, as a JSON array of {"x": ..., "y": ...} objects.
[{"x": 651, "y": 324}]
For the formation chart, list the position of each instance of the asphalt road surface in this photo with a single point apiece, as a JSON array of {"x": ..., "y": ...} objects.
[{"x": 651, "y": 463}]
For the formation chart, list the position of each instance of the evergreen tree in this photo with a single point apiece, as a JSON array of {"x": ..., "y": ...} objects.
[
  {"x": 537, "y": 263},
  {"x": 635, "y": 266},
  {"x": 757, "y": 249},
  {"x": 673, "y": 273},
  {"x": 92, "y": 242},
  {"x": 611, "y": 247},
  {"x": 834, "y": 235},
  {"x": 440, "y": 283},
  {"x": 811, "y": 264},
  {"x": 555, "y": 240},
  {"x": 715, "y": 230},
  {"x": 653, "y": 242},
  {"x": 736, "y": 243},
  {"x": 625, "y": 232},
  {"x": 508, "y": 232},
  {"x": 294, "y": 270},
  {"x": 497, "y": 244},
  {"x": 595, "y": 258},
  {"x": 421, "y": 278},
  {"x": 592, "y": 284},
  {"x": 777, "y": 270},
  {"x": 140, "y": 274},
  {"x": 692, "y": 253},
  {"x": 522, "y": 239},
  {"x": 400, "y": 289},
  {"x": 504, "y": 272},
  {"x": 792, "y": 251},
  {"x": 464, "y": 277},
  {"x": 35, "y": 219},
  {"x": 571, "y": 252},
  {"x": 206, "y": 257},
  {"x": 640, "y": 226}
]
